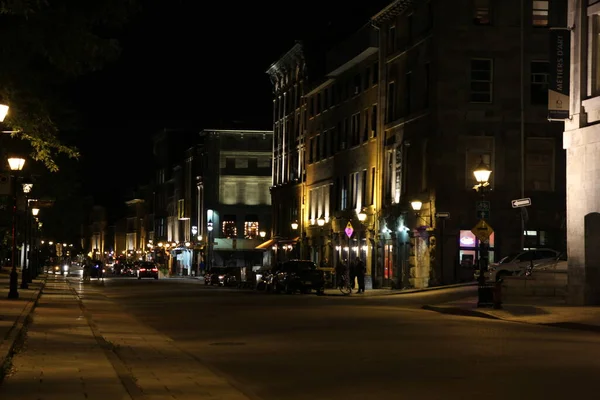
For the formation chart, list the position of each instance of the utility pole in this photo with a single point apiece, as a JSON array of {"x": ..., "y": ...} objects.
[{"x": 522, "y": 62}]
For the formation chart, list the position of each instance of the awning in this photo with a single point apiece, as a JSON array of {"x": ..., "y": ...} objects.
[
  {"x": 271, "y": 242},
  {"x": 266, "y": 245}
]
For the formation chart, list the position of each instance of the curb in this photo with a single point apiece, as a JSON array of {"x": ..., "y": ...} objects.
[
  {"x": 14, "y": 339},
  {"x": 461, "y": 312}
]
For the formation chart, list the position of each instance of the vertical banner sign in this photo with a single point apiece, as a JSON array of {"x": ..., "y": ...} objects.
[{"x": 560, "y": 64}]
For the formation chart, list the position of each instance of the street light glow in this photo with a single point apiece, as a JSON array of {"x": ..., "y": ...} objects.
[
  {"x": 416, "y": 205},
  {"x": 482, "y": 173},
  {"x": 294, "y": 225},
  {"x": 3, "y": 111},
  {"x": 35, "y": 211},
  {"x": 321, "y": 221},
  {"x": 16, "y": 163},
  {"x": 262, "y": 234},
  {"x": 362, "y": 216}
]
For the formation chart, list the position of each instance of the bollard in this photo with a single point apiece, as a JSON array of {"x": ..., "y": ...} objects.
[{"x": 498, "y": 295}]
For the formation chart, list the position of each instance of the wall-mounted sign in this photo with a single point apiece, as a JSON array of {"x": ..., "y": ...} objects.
[
  {"x": 560, "y": 64},
  {"x": 349, "y": 230}
]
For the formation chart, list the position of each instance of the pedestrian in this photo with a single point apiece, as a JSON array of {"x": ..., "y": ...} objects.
[
  {"x": 360, "y": 270},
  {"x": 352, "y": 273}
]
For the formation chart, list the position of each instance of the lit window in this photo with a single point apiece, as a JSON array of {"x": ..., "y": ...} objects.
[
  {"x": 540, "y": 13},
  {"x": 481, "y": 12},
  {"x": 251, "y": 230},
  {"x": 229, "y": 229}
]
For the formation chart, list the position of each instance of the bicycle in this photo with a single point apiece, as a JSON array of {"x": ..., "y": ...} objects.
[{"x": 344, "y": 285}]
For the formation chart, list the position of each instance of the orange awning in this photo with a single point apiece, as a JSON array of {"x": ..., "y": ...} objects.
[{"x": 266, "y": 245}]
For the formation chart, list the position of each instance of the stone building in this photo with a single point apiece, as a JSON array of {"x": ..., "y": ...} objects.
[
  {"x": 583, "y": 159},
  {"x": 450, "y": 91},
  {"x": 341, "y": 153},
  {"x": 452, "y": 98}
]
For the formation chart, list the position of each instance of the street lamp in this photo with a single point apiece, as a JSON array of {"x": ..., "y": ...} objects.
[
  {"x": 262, "y": 234},
  {"x": 3, "y": 112},
  {"x": 27, "y": 186},
  {"x": 362, "y": 216},
  {"x": 416, "y": 205},
  {"x": 482, "y": 175},
  {"x": 295, "y": 225},
  {"x": 35, "y": 212},
  {"x": 16, "y": 164},
  {"x": 209, "y": 227},
  {"x": 321, "y": 221}
]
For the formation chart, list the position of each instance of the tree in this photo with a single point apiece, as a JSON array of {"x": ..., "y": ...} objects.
[{"x": 47, "y": 44}]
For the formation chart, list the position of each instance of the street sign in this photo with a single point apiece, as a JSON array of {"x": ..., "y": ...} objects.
[
  {"x": 483, "y": 214},
  {"x": 521, "y": 202},
  {"x": 443, "y": 214},
  {"x": 482, "y": 231},
  {"x": 483, "y": 205},
  {"x": 349, "y": 230}
]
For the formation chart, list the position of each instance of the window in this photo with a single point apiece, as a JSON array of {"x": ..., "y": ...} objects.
[
  {"x": 539, "y": 164},
  {"x": 355, "y": 130},
  {"x": 319, "y": 103},
  {"x": 251, "y": 229},
  {"x": 366, "y": 126},
  {"x": 540, "y": 13},
  {"x": 229, "y": 228},
  {"x": 408, "y": 93},
  {"x": 539, "y": 82},
  {"x": 478, "y": 148},
  {"x": 391, "y": 102},
  {"x": 363, "y": 188},
  {"x": 241, "y": 162},
  {"x": 354, "y": 187},
  {"x": 310, "y": 150},
  {"x": 372, "y": 199},
  {"x": 481, "y": 12},
  {"x": 356, "y": 88},
  {"x": 344, "y": 193},
  {"x": 367, "y": 77},
  {"x": 318, "y": 149},
  {"x": 374, "y": 120},
  {"x": 375, "y": 74},
  {"x": 426, "y": 89},
  {"x": 481, "y": 81},
  {"x": 391, "y": 39},
  {"x": 409, "y": 28},
  {"x": 181, "y": 209}
]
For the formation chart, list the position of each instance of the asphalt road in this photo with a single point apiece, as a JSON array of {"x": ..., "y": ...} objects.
[{"x": 280, "y": 347}]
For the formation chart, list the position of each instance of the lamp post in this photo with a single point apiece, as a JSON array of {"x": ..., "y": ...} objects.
[
  {"x": 209, "y": 227},
  {"x": 362, "y": 217},
  {"x": 27, "y": 224},
  {"x": 33, "y": 227},
  {"x": 321, "y": 223},
  {"x": 294, "y": 225},
  {"x": 482, "y": 175},
  {"x": 16, "y": 164}
]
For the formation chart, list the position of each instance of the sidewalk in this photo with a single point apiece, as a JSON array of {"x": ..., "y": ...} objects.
[
  {"x": 14, "y": 314},
  {"x": 531, "y": 310},
  {"x": 82, "y": 345},
  {"x": 394, "y": 292},
  {"x": 61, "y": 358}
]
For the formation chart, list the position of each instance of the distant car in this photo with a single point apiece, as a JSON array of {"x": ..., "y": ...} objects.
[{"x": 147, "y": 270}]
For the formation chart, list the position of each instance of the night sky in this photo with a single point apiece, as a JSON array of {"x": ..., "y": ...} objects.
[{"x": 190, "y": 67}]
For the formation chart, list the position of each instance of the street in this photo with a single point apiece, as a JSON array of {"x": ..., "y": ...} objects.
[{"x": 275, "y": 347}]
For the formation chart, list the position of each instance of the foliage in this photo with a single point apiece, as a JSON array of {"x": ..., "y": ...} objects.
[{"x": 46, "y": 45}]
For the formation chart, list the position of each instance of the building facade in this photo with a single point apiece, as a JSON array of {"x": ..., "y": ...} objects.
[
  {"x": 447, "y": 91},
  {"x": 233, "y": 204},
  {"x": 581, "y": 144},
  {"x": 341, "y": 156}
]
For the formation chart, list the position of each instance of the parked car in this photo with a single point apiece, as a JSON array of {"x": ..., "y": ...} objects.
[
  {"x": 221, "y": 276},
  {"x": 147, "y": 269},
  {"x": 298, "y": 275},
  {"x": 519, "y": 263}
]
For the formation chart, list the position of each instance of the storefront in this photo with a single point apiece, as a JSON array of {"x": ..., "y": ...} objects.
[{"x": 469, "y": 253}]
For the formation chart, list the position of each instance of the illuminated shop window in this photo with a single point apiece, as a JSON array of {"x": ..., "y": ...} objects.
[
  {"x": 251, "y": 229},
  {"x": 229, "y": 227}
]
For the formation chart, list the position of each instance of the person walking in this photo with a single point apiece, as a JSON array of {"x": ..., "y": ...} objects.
[{"x": 360, "y": 270}]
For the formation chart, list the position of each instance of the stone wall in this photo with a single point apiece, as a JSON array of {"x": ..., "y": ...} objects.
[{"x": 540, "y": 284}]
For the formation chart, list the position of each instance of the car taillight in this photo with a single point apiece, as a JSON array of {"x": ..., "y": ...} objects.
[
  {"x": 142, "y": 269},
  {"x": 154, "y": 269}
]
